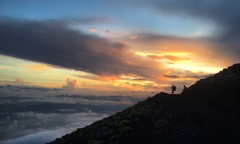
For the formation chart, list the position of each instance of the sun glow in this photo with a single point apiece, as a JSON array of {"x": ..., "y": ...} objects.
[
  {"x": 186, "y": 61},
  {"x": 195, "y": 67},
  {"x": 180, "y": 53}
]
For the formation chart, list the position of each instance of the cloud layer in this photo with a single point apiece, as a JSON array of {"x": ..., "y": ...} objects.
[
  {"x": 55, "y": 43},
  {"x": 224, "y": 14},
  {"x": 27, "y": 112}
]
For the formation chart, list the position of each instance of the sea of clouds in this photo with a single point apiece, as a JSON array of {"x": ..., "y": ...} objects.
[{"x": 39, "y": 115}]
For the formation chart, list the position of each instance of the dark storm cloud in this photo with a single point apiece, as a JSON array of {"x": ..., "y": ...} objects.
[
  {"x": 171, "y": 76},
  {"x": 53, "y": 42},
  {"x": 151, "y": 37},
  {"x": 224, "y": 13},
  {"x": 200, "y": 76},
  {"x": 134, "y": 79},
  {"x": 88, "y": 21},
  {"x": 188, "y": 74}
]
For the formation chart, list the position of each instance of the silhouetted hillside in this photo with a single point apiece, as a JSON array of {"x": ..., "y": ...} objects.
[{"x": 207, "y": 113}]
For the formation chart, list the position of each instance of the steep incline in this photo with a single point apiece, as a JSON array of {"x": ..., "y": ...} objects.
[{"x": 207, "y": 113}]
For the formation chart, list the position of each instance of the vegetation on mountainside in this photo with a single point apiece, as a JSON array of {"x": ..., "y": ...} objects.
[{"x": 208, "y": 112}]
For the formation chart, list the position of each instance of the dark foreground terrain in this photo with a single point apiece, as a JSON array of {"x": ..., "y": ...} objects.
[{"x": 208, "y": 112}]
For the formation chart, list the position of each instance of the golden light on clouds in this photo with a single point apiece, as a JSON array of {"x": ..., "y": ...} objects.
[
  {"x": 168, "y": 62},
  {"x": 133, "y": 36},
  {"x": 123, "y": 61},
  {"x": 179, "y": 53},
  {"x": 93, "y": 29},
  {"x": 108, "y": 78},
  {"x": 189, "y": 55},
  {"x": 37, "y": 66},
  {"x": 195, "y": 66}
]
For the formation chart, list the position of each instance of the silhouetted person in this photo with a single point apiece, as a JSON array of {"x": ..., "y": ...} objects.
[
  {"x": 184, "y": 88},
  {"x": 173, "y": 87}
]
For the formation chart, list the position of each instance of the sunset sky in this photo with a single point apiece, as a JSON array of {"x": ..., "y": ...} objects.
[
  {"x": 65, "y": 64},
  {"x": 116, "y": 47}
]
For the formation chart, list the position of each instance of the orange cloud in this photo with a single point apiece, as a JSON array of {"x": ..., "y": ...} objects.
[
  {"x": 93, "y": 30},
  {"x": 168, "y": 57},
  {"x": 37, "y": 66},
  {"x": 109, "y": 78},
  {"x": 133, "y": 36},
  {"x": 187, "y": 54},
  {"x": 71, "y": 83},
  {"x": 18, "y": 80},
  {"x": 85, "y": 83}
]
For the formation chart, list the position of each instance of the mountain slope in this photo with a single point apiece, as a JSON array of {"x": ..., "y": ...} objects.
[{"x": 208, "y": 112}]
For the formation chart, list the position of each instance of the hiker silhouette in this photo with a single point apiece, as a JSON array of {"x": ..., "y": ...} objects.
[
  {"x": 184, "y": 88},
  {"x": 173, "y": 87}
]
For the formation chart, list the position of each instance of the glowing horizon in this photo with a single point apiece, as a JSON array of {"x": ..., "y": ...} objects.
[{"x": 94, "y": 47}]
